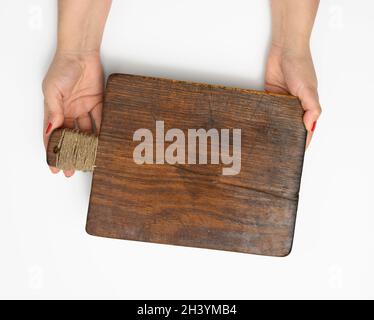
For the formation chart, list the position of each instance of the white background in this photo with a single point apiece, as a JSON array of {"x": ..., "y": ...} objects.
[{"x": 44, "y": 250}]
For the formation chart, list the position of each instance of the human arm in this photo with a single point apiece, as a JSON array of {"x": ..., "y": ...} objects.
[
  {"x": 290, "y": 66},
  {"x": 74, "y": 84}
]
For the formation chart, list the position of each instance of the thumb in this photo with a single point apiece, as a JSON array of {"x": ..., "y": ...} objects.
[
  {"x": 53, "y": 119},
  {"x": 310, "y": 103}
]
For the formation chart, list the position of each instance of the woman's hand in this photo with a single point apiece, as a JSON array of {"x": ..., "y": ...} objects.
[
  {"x": 74, "y": 84},
  {"x": 290, "y": 67},
  {"x": 292, "y": 71},
  {"x": 73, "y": 94}
]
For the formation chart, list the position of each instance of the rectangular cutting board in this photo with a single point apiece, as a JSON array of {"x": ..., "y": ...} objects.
[{"x": 194, "y": 204}]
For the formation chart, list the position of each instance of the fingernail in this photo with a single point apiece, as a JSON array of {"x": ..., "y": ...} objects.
[
  {"x": 49, "y": 127},
  {"x": 314, "y": 126},
  {"x": 68, "y": 173},
  {"x": 54, "y": 170}
]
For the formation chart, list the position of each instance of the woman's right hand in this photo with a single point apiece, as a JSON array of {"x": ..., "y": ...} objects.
[{"x": 73, "y": 91}]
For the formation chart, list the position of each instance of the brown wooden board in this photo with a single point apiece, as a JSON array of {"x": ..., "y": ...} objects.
[{"x": 194, "y": 204}]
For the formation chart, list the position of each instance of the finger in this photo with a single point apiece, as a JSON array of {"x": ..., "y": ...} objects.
[
  {"x": 68, "y": 173},
  {"x": 96, "y": 117},
  {"x": 85, "y": 123},
  {"x": 54, "y": 170},
  {"x": 53, "y": 119},
  {"x": 69, "y": 122},
  {"x": 308, "y": 139},
  {"x": 275, "y": 88},
  {"x": 310, "y": 103}
]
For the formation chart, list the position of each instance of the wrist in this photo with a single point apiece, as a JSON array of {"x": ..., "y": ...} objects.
[
  {"x": 79, "y": 58},
  {"x": 78, "y": 54},
  {"x": 77, "y": 46},
  {"x": 291, "y": 46},
  {"x": 79, "y": 38}
]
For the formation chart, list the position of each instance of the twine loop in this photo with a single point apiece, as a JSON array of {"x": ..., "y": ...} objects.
[{"x": 76, "y": 151}]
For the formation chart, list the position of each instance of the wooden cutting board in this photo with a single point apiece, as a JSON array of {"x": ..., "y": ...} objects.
[{"x": 195, "y": 205}]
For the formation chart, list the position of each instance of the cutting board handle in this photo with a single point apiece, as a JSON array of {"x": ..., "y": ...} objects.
[
  {"x": 72, "y": 150},
  {"x": 52, "y": 148}
]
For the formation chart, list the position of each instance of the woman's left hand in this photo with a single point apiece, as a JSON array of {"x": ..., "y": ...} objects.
[{"x": 292, "y": 71}]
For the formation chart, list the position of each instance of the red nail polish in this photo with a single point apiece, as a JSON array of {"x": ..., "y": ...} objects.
[
  {"x": 49, "y": 127},
  {"x": 314, "y": 126}
]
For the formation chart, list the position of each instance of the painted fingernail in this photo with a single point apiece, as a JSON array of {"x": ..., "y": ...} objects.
[
  {"x": 49, "y": 127},
  {"x": 314, "y": 126}
]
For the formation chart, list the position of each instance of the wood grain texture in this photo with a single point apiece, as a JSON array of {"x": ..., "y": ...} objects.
[
  {"x": 195, "y": 205},
  {"x": 52, "y": 147}
]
